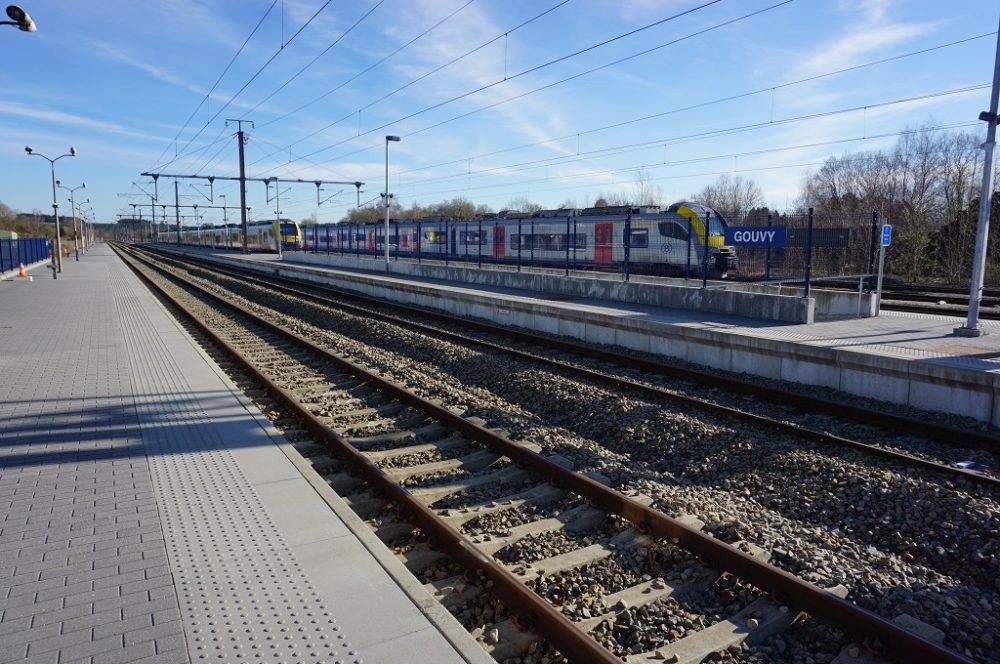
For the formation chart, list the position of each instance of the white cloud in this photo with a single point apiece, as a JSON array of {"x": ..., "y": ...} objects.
[{"x": 59, "y": 117}]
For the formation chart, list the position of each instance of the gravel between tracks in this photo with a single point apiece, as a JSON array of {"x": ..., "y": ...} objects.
[{"x": 900, "y": 541}]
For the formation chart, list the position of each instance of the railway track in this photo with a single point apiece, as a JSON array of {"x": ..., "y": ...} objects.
[
  {"x": 476, "y": 495},
  {"x": 883, "y": 429}
]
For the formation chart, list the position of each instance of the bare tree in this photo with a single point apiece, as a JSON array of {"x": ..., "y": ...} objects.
[
  {"x": 732, "y": 196},
  {"x": 923, "y": 185},
  {"x": 644, "y": 192},
  {"x": 522, "y": 204}
]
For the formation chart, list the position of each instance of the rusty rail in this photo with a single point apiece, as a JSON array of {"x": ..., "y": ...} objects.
[
  {"x": 899, "y": 643},
  {"x": 787, "y": 428},
  {"x": 986, "y": 440}
]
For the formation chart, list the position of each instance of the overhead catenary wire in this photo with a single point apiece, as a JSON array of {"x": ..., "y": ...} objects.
[
  {"x": 694, "y": 160},
  {"x": 618, "y": 124},
  {"x": 704, "y": 104},
  {"x": 632, "y": 147},
  {"x": 219, "y": 79},
  {"x": 370, "y": 67},
  {"x": 533, "y": 69},
  {"x": 434, "y": 71},
  {"x": 252, "y": 78},
  {"x": 367, "y": 69},
  {"x": 301, "y": 71}
]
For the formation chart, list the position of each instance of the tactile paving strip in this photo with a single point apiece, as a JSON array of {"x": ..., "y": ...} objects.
[{"x": 243, "y": 596}]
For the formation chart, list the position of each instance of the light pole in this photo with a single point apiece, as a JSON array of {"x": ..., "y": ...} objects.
[
  {"x": 225, "y": 220},
  {"x": 57, "y": 254},
  {"x": 72, "y": 209},
  {"x": 387, "y": 140},
  {"x": 20, "y": 18},
  {"x": 972, "y": 328}
]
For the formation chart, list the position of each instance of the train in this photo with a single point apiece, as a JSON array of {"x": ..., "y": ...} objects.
[
  {"x": 660, "y": 240},
  {"x": 260, "y": 236}
]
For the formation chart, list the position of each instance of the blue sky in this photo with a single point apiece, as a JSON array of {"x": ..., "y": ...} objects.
[{"x": 118, "y": 80}]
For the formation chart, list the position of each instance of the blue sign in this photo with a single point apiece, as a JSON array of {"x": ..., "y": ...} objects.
[
  {"x": 757, "y": 236},
  {"x": 886, "y": 235}
]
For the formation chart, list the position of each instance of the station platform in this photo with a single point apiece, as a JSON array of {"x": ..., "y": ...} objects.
[
  {"x": 150, "y": 513},
  {"x": 903, "y": 358}
]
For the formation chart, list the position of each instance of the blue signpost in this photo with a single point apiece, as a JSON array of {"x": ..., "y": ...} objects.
[{"x": 886, "y": 240}]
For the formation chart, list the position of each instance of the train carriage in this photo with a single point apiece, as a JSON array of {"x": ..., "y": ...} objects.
[
  {"x": 261, "y": 236},
  {"x": 660, "y": 241}
]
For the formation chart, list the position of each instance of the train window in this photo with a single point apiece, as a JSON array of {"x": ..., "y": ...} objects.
[
  {"x": 550, "y": 242},
  {"x": 471, "y": 237},
  {"x": 435, "y": 237},
  {"x": 640, "y": 238},
  {"x": 580, "y": 240},
  {"x": 673, "y": 230}
]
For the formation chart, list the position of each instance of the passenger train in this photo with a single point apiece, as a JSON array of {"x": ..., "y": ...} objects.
[
  {"x": 660, "y": 241},
  {"x": 260, "y": 236}
]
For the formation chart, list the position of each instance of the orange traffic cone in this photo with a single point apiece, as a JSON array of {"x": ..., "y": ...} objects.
[{"x": 20, "y": 271}]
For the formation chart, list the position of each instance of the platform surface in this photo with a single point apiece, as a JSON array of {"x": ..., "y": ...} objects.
[
  {"x": 909, "y": 336},
  {"x": 149, "y": 513}
]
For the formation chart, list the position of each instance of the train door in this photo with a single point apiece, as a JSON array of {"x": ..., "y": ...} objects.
[
  {"x": 371, "y": 241},
  {"x": 604, "y": 239},
  {"x": 498, "y": 241}
]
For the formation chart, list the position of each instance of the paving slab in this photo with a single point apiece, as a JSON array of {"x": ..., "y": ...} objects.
[{"x": 149, "y": 512}]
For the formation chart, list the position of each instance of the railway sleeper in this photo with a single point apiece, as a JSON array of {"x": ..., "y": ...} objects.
[
  {"x": 397, "y": 452},
  {"x": 541, "y": 496},
  {"x": 453, "y": 591},
  {"x": 577, "y": 518},
  {"x": 342, "y": 483},
  {"x": 420, "y": 558},
  {"x": 364, "y": 503},
  {"x": 470, "y": 463},
  {"x": 855, "y": 654},
  {"x": 430, "y": 495},
  {"x": 759, "y": 620},
  {"x": 562, "y": 562}
]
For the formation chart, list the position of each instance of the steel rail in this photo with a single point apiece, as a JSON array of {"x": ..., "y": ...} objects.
[
  {"x": 533, "y": 610},
  {"x": 787, "y": 428},
  {"x": 947, "y": 434},
  {"x": 856, "y": 620}
]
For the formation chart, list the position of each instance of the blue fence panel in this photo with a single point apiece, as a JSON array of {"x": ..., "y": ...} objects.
[{"x": 26, "y": 250}]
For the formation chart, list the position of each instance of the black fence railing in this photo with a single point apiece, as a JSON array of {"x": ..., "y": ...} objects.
[{"x": 812, "y": 247}]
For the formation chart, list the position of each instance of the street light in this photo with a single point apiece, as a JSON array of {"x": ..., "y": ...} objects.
[
  {"x": 387, "y": 140},
  {"x": 20, "y": 18},
  {"x": 57, "y": 254},
  {"x": 72, "y": 209},
  {"x": 225, "y": 220}
]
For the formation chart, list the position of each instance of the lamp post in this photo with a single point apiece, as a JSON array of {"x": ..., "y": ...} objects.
[
  {"x": 387, "y": 140},
  {"x": 72, "y": 209},
  {"x": 84, "y": 230},
  {"x": 972, "y": 328},
  {"x": 57, "y": 254},
  {"x": 19, "y": 18},
  {"x": 225, "y": 219}
]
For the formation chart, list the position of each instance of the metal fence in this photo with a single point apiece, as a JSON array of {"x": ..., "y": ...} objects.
[
  {"x": 27, "y": 251},
  {"x": 813, "y": 247}
]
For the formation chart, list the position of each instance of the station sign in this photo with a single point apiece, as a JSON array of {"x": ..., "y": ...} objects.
[
  {"x": 757, "y": 236},
  {"x": 886, "y": 235}
]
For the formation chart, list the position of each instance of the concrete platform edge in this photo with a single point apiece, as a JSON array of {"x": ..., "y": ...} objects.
[{"x": 446, "y": 624}]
